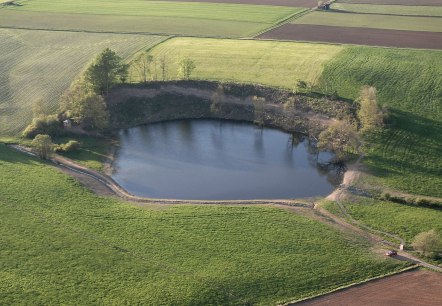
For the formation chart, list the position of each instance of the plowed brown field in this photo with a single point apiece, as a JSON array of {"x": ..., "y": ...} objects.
[
  {"x": 409, "y": 288},
  {"x": 358, "y": 36},
  {"x": 292, "y": 3}
]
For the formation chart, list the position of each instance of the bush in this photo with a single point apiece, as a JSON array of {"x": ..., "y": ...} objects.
[
  {"x": 428, "y": 243},
  {"x": 70, "y": 146},
  {"x": 49, "y": 125}
]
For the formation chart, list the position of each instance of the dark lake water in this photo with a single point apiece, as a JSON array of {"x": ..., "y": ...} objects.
[{"x": 211, "y": 159}]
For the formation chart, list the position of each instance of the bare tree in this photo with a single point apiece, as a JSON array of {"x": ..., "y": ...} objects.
[
  {"x": 142, "y": 65},
  {"x": 164, "y": 68},
  {"x": 215, "y": 107}
]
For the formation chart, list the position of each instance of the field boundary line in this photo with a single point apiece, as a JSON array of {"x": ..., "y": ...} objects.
[
  {"x": 282, "y": 21},
  {"x": 407, "y": 269}
]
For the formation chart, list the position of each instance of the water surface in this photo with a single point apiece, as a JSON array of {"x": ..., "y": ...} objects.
[{"x": 211, "y": 159}]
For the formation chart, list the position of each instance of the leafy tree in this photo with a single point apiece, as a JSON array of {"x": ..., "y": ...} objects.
[
  {"x": 85, "y": 107},
  {"x": 106, "y": 71},
  {"x": 142, "y": 65},
  {"x": 43, "y": 124},
  {"x": 341, "y": 138},
  {"x": 259, "y": 110},
  {"x": 43, "y": 146},
  {"x": 369, "y": 114},
  {"x": 428, "y": 243},
  {"x": 186, "y": 68}
]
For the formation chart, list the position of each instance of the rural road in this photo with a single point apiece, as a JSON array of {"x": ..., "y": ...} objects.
[{"x": 106, "y": 182}]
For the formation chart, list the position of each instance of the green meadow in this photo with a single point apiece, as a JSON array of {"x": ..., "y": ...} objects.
[
  {"x": 271, "y": 63},
  {"x": 63, "y": 245},
  {"x": 406, "y": 155},
  {"x": 189, "y": 18},
  {"x": 404, "y": 220},
  {"x": 409, "y": 23}
]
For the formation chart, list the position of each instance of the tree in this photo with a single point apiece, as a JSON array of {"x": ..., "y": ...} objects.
[
  {"x": 341, "y": 138},
  {"x": 429, "y": 243},
  {"x": 106, "y": 71},
  {"x": 259, "y": 110},
  {"x": 369, "y": 114},
  {"x": 215, "y": 107},
  {"x": 43, "y": 146},
  {"x": 186, "y": 68},
  {"x": 85, "y": 107},
  {"x": 164, "y": 68},
  {"x": 142, "y": 65}
]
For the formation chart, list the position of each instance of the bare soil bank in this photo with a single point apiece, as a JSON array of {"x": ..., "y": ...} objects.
[
  {"x": 358, "y": 36},
  {"x": 132, "y": 105},
  {"x": 408, "y": 288}
]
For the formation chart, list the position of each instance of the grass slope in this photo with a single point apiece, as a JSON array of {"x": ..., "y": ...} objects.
[
  {"x": 407, "y": 155},
  {"x": 409, "y": 23},
  {"x": 403, "y": 220},
  {"x": 272, "y": 63},
  {"x": 190, "y": 18},
  {"x": 62, "y": 245},
  {"x": 41, "y": 65},
  {"x": 405, "y": 10}
]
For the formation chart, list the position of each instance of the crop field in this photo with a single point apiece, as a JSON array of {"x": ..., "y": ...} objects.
[
  {"x": 404, "y": 220},
  {"x": 407, "y": 23},
  {"x": 406, "y": 155},
  {"x": 270, "y": 63},
  {"x": 62, "y": 244},
  {"x": 190, "y": 18},
  {"x": 294, "y": 3},
  {"x": 41, "y": 65},
  {"x": 357, "y": 36},
  {"x": 396, "y": 2},
  {"x": 405, "y": 10}
]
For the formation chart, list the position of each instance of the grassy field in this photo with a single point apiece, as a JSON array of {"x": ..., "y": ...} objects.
[
  {"x": 409, "y": 23},
  {"x": 403, "y": 220},
  {"x": 271, "y": 63},
  {"x": 405, "y": 10},
  {"x": 41, "y": 65},
  {"x": 407, "y": 155},
  {"x": 190, "y": 18},
  {"x": 61, "y": 244}
]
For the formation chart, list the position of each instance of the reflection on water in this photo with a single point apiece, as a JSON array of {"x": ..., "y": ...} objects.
[{"x": 208, "y": 159}]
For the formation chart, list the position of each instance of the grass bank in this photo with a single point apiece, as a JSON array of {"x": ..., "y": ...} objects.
[{"x": 62, "y": 244}]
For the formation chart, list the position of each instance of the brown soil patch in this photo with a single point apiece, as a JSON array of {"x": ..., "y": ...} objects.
[
  {"x": 408, "y": 288},
  {"x": 357, "y": 36},
  {"x": 397, "y": 2},
  {"x": 292, "y": 3}
]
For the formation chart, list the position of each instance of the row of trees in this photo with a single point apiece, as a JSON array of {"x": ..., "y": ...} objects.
[{"x": 148, "y": 68}]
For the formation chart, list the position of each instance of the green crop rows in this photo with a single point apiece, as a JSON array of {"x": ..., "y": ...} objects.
[{"x": 41, "y": 65}]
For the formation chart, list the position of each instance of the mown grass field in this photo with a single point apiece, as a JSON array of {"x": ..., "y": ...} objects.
[
  {"x": 41, "y": 65},
  {"x": 264, "y": 62},
  {"x": 61, "y": 244},
  {"x": 406, "y": 155},
  {"x": 409, "y": 23},
  {"x": 190, "y": 18},
  {"x": 405, "y": 10},
  {"x": 404, "y": 220}
]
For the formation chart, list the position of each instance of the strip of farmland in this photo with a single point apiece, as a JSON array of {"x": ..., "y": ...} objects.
[
  {"x": 396, "y": 2},
  {"x": 291, "y": 3},
  {"x": 358, "y": 36}
]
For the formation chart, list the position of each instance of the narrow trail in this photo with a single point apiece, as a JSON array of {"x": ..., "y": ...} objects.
[{"x": 107, "y": 186}]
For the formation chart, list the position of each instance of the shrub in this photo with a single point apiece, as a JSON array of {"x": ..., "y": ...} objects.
[
  {"x": 43, "y": 146},
  {"x": 49, "y": 125},
  {"x": 70, "y": 146}
]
